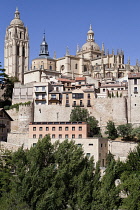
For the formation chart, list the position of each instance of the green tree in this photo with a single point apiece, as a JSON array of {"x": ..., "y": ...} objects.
[
  {"x": 79, "y": 114},
  {"x": 93, "y": 124},
  {"x": 82, "y": 114},
  {"x": 111, "y": 131},
  {"x": 109, "y": 193},
  {"x": 130, "y": 181},
  {"x": 125, "y": 131},
  {"x": 136, "y": 133}
]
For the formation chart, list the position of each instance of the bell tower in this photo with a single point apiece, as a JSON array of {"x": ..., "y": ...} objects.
[{"x": 16, "y": 49}]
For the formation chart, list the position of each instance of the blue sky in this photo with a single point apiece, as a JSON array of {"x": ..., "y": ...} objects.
[{"x": 116, "y": 23}]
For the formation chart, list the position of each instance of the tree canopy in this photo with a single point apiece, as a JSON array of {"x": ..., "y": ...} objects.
[
  {"x": 82, "y": 114},
  {"x": 59, "y": 176}
]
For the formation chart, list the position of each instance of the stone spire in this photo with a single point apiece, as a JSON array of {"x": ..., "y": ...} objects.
[
  {"x": 44, "y": 47},
  {"x": 17, "y": 14}
]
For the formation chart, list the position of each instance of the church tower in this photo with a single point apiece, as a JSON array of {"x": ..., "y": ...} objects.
[{"x": 16, "y": 50}]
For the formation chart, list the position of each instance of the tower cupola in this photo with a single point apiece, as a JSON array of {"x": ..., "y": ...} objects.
[{"x": 44, "y": 47}]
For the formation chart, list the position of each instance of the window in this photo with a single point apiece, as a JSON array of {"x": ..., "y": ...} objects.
[
  {"x": 60, "y": 128},
  {"x": 34, "y": 136},
  {"x": 60, "y": 136},
  {"x": 57, "y": 89},
  {"x": 53, "y": 136},
  {"x": 101, "y": 145},
  {"x": 80, "y": 136},
  {"x": 88, "y": 95},
  {"x": 103, "y": 89},
  {"x": 43, "y": 96},
  {"x": 112, "y": 88},
  {"x": 40, "y": 128},
  {"x": 40, "y": 136},
  {"x": 76, "y": 66},
  {"x": 53, "y": 128},
  {"x": 53, "y": 96},
  {"x": 34, "y": 144},
  {"x": 50, "y": 67},
  {"x": 66, "y": 136},
  {"x": 90, "y": 144},
  {"x": 80, "y": 128},
  {"x": 74, "y": 103},
  {"x": 67, "y": 96},
  {"x": 47, "y": 128},
  {"x": 88, "y": 155},
  {"x": 81, "y": 103},
  {"x": 37, "y": 88},
  {"x": 135, "y": 81},
  {"x": 88, "y": 103},
  {"x": 43, "y": 88},
  {"x": 135, "y": 90},
  {"x": 66, "y": 128},
  {"x": 77, "y": 95},
  {"x": 79, "y": 145},
  {"x": 34, "y": 128},
  {"x": 73, "y": 136},
  {"x": 73, "y": 128}
]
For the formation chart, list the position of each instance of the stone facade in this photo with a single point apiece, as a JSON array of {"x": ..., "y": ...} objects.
[{"x": 121, "y": 149}]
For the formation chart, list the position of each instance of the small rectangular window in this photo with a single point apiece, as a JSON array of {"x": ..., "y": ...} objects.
[
  {"x": 135, "y": 81},
  {"x": 34, "y": 136},
  {"x": 53, "y": 136},
  {"x": 60, "y": 128},
  {"x": 53, "y": 128},
  {"x": 73, "y": 136},
  {"x": 66, "y": 128},
  {"x": 80, "y": 136},
  {"x": 90, "y": 144},
  {"x": 88, "y": 155},
  {"x": 40, "y": 136},
  {"x": 73, "y": 128},
  {"x": 34, "y": 128},
  {"x": 34, "y": 144},
  {"x": 60, "y": 136},
  {"x": 40, "y": 128},
  {"x": 66, "y": 136},
  {"x": 47, "y": 128},
  {"x": 80, "y": 128}
]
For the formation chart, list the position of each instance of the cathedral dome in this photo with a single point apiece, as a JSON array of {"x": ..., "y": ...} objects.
[
  {"x": 91, "y": 46},
  {"x": 16, "y": 20}
]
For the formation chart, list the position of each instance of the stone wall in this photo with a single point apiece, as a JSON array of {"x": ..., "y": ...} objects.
[
  {"x": 121, "y": 149},
  {"x": 104, "y": 109},
  {"x": 21, "y": 118}
]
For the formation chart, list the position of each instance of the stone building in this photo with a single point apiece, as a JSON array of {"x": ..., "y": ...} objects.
[
  {"x": 16, "y": 49},
  {"x": 134, "y": 98},
  {"x": 5, "y": 124}
]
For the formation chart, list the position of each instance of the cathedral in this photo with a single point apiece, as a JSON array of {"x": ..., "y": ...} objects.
[{"x": 90, "y": 60}]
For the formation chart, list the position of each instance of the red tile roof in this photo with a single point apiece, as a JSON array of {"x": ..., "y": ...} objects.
[{"x": 80, "y": 78}]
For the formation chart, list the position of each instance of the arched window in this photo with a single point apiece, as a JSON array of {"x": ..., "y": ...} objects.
[
  {"x": 109, "y": 75},
  {"x": 76, "y": 65},
  {"x": 98, "y": 76},
  {"x": 20, "y": 35},
  {"x": 50, "y": 67}
]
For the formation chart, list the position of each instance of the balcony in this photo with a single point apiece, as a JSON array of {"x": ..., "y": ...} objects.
[
  {"x": 81, "y": 105},
  {"x": 67, "y": 105},
  {"x": 135, "y": 92},
  {"x": 88, "y": 105}
]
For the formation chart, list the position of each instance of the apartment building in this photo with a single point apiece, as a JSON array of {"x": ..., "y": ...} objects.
[{"x": 60, "y": 130}]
